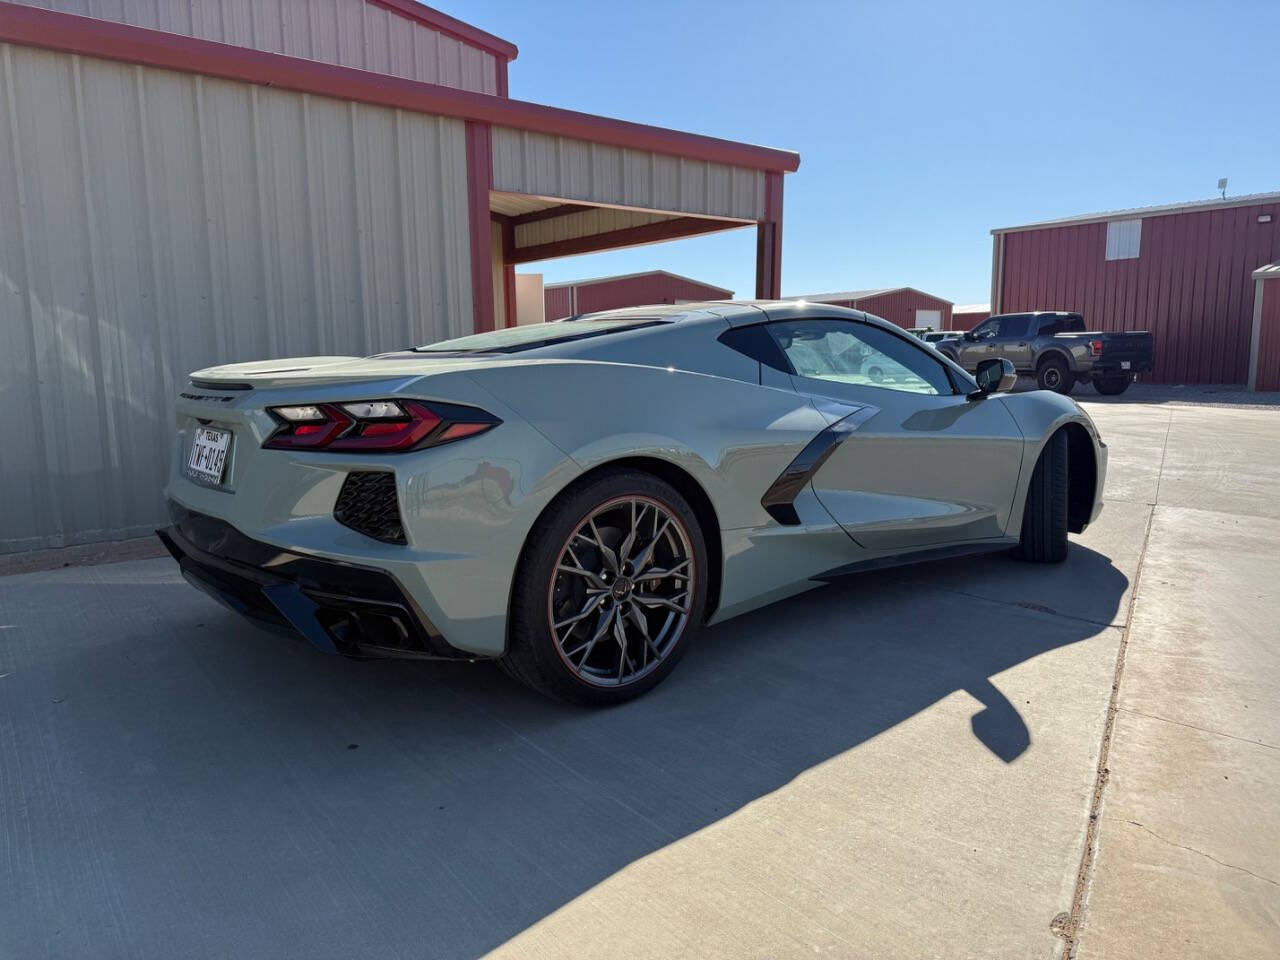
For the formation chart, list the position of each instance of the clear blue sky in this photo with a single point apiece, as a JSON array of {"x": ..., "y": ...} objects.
[{"x": 920, "y": 126}]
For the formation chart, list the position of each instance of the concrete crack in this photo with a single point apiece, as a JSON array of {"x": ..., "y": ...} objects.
[
  {"x": 1183, "y": 846},
  {"x": 1192, "y": 726}
]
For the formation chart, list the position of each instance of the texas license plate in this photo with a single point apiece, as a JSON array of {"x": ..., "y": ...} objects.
[
  {"x": 208, "y": 457},
  {"x": 1124, "y": 364}
]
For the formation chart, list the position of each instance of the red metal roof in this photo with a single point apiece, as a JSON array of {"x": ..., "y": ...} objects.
[{"x": 116, "y": 41}]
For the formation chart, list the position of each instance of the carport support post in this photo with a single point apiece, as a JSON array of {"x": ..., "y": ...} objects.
[
  {"x": 479, "y": 183},
  {"x": 769, "y": 241},
  {"x": 509, "y": 272}
]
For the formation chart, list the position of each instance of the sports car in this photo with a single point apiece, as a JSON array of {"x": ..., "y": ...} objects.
[{"x": 576, "y": 499}]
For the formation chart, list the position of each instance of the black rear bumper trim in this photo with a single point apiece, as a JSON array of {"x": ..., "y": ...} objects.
[{"x": 339, "y": 607}]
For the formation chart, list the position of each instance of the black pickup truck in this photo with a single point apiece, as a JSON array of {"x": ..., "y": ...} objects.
[{"x": 1056, "y": 348}]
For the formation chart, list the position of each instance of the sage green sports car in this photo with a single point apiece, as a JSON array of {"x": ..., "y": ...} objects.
[{"x": 576, "y": 499}]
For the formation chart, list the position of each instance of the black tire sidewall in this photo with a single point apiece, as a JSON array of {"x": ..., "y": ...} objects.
[
  {"x": 532, "y": 649},
  {"x": 1063, "y": 373}
]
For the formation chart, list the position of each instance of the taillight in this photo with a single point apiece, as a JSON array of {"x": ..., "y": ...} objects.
[
  {"x": 374, "y": 426},
  {"x": 1096, "y": 347}
]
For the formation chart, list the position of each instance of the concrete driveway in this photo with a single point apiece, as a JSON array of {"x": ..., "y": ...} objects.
[{"x": 968, "y": 759}]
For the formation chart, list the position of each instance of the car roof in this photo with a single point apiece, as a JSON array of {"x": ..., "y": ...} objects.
[{"x": 736, "y": 313}]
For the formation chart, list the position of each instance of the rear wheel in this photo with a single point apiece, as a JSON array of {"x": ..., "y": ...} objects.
[
  {"x": 1052, "y": 374},
  {"x": 1111, "y": 386},
  {"x": 610, "y": 590},
  {"x": 1044, "y": 518}
]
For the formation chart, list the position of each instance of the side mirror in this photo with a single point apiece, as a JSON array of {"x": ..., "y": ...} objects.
[
  {"x": 995, "y": 375},
  {"x": 968, "y": 335}
]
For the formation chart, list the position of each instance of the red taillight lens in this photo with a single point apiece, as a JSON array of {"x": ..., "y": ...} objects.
[
  {"x": 1096, "y": 347},
  {"x": 374, "y": 426}
]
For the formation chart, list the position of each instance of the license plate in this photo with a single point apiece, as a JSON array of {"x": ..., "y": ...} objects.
[
  {"x": 208, "y": 457},
  {"x": 1124, "y": 364}
]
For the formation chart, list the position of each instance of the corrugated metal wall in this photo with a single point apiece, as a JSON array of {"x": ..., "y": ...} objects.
[
  {"x": 628, "y": 292},
  {"x": 549, "y": 166},
  {"x": 558, "y": 302},
  {"x": 350, "y": 33},
  {"x": 1268, "y": 377},
  {"x": 157, "y": 222},
  {"x": 1191, "y": 284},
  {"x": 900, "y": 306}
]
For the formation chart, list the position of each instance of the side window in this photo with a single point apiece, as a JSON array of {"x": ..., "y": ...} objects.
[
  {"x": 1003, "y": 326},
  {"x": 1051, "y": 326},
  {"x": 1015, "y": 325},
  {"x": 844, "y": 351},
  {"x": 987, "y": 329}
]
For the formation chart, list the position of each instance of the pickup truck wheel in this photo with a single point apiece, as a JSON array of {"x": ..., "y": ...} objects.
[
  {"x": 1044, "y": 518},
  {"x": 1111, "y": 386},
  {"x": 1052, "y": 374}
]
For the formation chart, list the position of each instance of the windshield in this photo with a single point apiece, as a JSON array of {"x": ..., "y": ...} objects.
[{"x": 534, "y": 335}]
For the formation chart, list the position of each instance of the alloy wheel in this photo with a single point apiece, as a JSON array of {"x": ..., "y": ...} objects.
[{"x": 621, "y": 591}]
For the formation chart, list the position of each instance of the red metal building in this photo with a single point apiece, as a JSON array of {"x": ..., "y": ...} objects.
[
  {"x": 968, "y": 316},
  {"x": 905, "y": 306},
  {"x": 1184, "y": 272},
  {"x": 628, "y": 290}
]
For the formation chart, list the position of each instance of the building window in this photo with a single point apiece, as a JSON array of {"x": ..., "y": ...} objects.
[{"x": 1124, "y": 237}]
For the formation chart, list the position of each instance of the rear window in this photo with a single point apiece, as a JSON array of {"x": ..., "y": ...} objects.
[
  {"x": 1050, "y": 326},
  {"x": 535, "y": 335}
]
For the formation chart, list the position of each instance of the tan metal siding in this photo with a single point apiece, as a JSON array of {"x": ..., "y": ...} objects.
[
  {"x": 350, "y": 33},
  {"x": 550, "y": 166},
  {"x": 157, "y": 222},
  {"x": 584, "y": 224}
]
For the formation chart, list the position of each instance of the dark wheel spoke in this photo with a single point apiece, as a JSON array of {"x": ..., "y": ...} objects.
[
  {"x": 651, "y": 600},
  {"x": 590, "y": 608},
  {"x": 672, "y": 571}
]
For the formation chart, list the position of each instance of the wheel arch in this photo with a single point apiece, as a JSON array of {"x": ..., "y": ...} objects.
[
  {"x": 686, "y": 485},
  {"x": 1082, "y": 475},
  {"x": 1053, "y": 353}
]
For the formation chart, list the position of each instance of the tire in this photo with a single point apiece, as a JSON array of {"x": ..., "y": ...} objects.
[
  {"x": 1044, "y": 518},
  {"x": 1112, "y": 386},
  {"x": 544, "y": 591},
  {"x": 1052, "y": 374}
]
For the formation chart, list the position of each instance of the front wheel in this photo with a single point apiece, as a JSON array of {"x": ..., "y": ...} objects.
[
  {"x": 1044, "y": 517},
  {"x": 610, "y": 589},
  {"x": 1112, "y": 386}
]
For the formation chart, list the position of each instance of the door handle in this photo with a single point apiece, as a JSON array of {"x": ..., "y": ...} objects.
[{"x": 1022, "y": 344}]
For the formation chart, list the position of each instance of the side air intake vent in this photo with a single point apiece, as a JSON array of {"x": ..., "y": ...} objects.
[{"x": 367, "y": 503}]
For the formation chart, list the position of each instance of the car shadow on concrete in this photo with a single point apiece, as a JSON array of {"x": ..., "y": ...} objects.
[{"x": 191, "y": 785}]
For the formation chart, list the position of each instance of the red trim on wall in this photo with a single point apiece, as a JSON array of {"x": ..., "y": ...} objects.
[
  {"x": 627, "y": 237},
  {"x": 116, "y": 41},
  {"x": 769, "y": 241},
  {"x": 442, "y": 22},
  {"x": 479, "y": 183}
]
